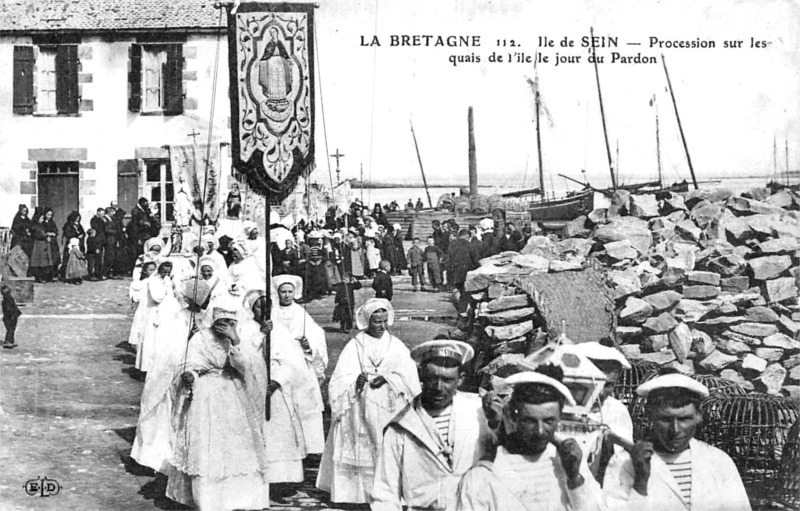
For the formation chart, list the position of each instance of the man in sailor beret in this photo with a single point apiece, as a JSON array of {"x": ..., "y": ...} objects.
[
  {"x": 429, "y": 445},
  {"x": 671, "y": 469},
  {"x": 532, "y": 468}
]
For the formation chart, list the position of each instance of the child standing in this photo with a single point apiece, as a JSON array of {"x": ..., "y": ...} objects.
[
  {"x": 76, "y": 264},
  {"x": 433, "y": 257},
  {"x": 11, "y": 314},
  {"x": 382, "y": 283},
  {"x": 346, "y": 301},
  {"x": 416, "y": 259}
]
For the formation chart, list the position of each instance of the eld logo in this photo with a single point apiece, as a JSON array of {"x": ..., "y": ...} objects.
[{"x": 43, "y": 487}]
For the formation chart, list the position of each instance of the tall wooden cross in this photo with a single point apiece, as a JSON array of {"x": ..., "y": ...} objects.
[
  {"x": 337, "y": 156},
  {"x": 194, "y": 134}
]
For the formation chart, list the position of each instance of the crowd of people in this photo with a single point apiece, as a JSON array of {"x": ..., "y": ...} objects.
[
  {"x": 233, "y": 396},
  {"x": 107, "y": 250}
]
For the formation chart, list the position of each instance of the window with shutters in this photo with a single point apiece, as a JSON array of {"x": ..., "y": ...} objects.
[
  {"x": 156, "y": 79},
  {"x": 55, "y": 89}
]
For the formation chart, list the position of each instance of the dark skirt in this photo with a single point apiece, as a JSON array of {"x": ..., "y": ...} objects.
[{"x": 42, "y": 255}]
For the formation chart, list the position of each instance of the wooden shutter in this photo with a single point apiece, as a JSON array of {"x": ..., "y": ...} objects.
[
  {"x": 23, "y": 80},
  {"x": 127, "y": 184},
  {"x": 67, "y": 91},
  {"x": 173, "y": 80},
  {"x": 135, "y": 78}
]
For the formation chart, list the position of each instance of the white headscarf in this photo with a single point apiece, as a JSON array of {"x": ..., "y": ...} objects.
[
  {"x": 365, "y": 312},
  {"x": 294, "y": 280}
]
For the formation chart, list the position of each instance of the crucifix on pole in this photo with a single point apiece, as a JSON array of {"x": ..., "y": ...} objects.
[
  {"x": 194, "y": 134},
  {"x": 337, "y": 156}
]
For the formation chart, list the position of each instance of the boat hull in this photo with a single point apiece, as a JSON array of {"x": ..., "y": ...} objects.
[{"x": 566, "y": 209}]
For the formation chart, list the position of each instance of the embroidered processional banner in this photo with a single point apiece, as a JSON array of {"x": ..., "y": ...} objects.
[
  {"x": 195, "y": 169},
  {"x": 272, "y": 102}
]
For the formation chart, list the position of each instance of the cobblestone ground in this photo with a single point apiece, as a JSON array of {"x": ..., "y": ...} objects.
[{"x": 70, "y": 399}]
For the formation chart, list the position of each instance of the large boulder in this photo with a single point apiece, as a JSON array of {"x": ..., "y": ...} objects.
[
  {"x": 777, "y": 290},
  {"x": 751, "y": 362},
  {"x": 680, "y": 340},
  {"x": 509, "y": 331},
  {"x": 703, "y": 277},
  {"x": 705, "y": 212},
  {"x": 769, "y": 354},
  {"x": 660, "y": 324},
  {"x": 729, "y": 265},
  {"x": 772, "y": 378},
  {"x": 508, "y": 302},
  {"x": 688, "y": 230},
  {"x": 785, "y": 245},
  {"x": 663, "y": 301},
  {"x": 577, "y": 228},
  {"x": 621, "y": 250},
  {"x": 744, "y": 206},
  {"x": 738, "y": 284},
  {"x": 700, "y": 292},
  {"x": 759, "y": 330},
  {"x": 783, "y": 342},
  {"x": 626, "y": 228},
  {"x": 624, "y": 283},
  {"x": 761, "y": 314},
  {"x": 635, "y": 311},
  {"x": 716, "y": 361},
  {"x": 769, "y": 267},
  {"x": 643, "y": 206}
]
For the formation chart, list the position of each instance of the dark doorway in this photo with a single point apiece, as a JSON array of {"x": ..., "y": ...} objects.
[{"x": 58, "y": 188}]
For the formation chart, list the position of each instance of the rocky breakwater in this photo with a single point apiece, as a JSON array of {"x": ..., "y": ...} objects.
[{"x": 706, "y": 282}]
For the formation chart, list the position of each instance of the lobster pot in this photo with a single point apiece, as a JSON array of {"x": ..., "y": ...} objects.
[
  {"x": 753, "y": 430},
  {"x": 788, "y": 490},
  {"x": 480, "y": 204},
  {"x": 445, "y": 202},
  {"x": 629, "y": 379},
  {"x": 461, "y": 205},
  {"x": 716, "y": 386}
]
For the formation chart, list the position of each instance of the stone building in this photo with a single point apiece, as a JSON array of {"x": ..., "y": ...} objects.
[{"x": 98, "y": 93}]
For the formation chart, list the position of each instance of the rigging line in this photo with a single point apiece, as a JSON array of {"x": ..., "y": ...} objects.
[
  {"x": 205, "y": 181},
  {"x": 322, "y": 108},
  {"x": 372, "y": 105}
]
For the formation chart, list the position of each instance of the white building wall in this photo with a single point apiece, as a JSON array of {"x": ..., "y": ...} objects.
[{"x": 105, "y": 127}]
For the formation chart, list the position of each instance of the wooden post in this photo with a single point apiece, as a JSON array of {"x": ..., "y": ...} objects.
[
  {"x": 267, "y": 310},
  {"x": 680, "y": 127}
]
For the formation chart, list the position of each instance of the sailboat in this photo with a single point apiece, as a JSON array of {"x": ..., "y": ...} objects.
[{"x": 547, "y": 210}]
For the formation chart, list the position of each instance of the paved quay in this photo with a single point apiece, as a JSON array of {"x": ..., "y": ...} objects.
[{"x": 70, "y": 399}]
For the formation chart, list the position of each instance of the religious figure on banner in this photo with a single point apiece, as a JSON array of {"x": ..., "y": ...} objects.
[
  {"x": 273, "y": 111},
  {"x": 183, "y": 206},
  {"x": 275, "y": 73}
]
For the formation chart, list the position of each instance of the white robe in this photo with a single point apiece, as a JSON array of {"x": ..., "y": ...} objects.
[
  {"x": 515, "y": 482},
  {"x": 716, "y": 484},
  {"x": 219, "y": 459},
  {"x": 412, "y": 466},
  {"x": 151, "y": 447},
  {"x": 310, "y": 366},
  {"x": 158, "y": 289},
  {"x": 138, "y": 295},
  {"x": 245, "y": 276},
  {"x": 357, "y": 420},
  {"x": 283, "y": 432}
]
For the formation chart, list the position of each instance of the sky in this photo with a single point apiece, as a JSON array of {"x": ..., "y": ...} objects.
[{"x": 733, "y": 102}]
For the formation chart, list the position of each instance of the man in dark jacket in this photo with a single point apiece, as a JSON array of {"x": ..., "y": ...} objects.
[
  {"x": 506, "y": 242},
  {"x": 98, "y": 223},
  {"x": 143, "y": 225}
]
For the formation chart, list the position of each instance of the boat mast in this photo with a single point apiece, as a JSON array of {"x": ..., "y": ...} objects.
[
  {"x": 680, "y": 127},
  {"x": 658, "y": 148},
  {"x": 786, "y": 142},
  {"x": 538, "y": 130},
  {"x": 603, "y": 114},
  {"x": 419, "y": 158}
]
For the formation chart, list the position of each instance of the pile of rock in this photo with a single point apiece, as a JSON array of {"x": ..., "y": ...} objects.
[{"x": 706, "y": 281}]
